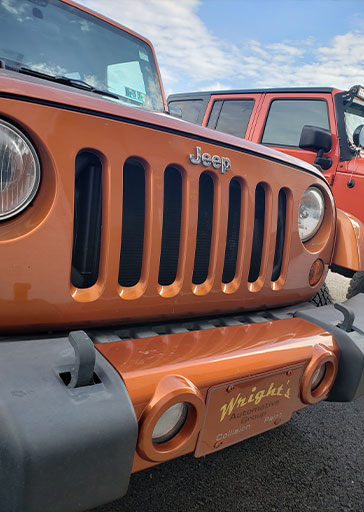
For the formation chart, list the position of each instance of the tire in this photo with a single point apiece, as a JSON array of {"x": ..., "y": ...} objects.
[
  {"x": 322, "y": 297},
  {"x": 356, "y": 285}
]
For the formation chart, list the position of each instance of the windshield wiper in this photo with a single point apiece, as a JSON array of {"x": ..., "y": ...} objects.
[
  {"x": 73, "y": 82},
  {"x": 80, "y": 84}
]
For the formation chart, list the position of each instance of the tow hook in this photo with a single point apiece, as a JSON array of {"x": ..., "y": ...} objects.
[
  {"x": 349, "y": 317},
  {"x": 82, "y": 372}
]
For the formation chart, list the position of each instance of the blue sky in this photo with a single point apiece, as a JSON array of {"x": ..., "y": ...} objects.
[
  {"x": 227, "y": 44},
  {"x": 276, "y": 20}
]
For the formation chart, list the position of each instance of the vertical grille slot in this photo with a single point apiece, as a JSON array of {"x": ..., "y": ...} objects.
[
  {"x": 280, "y": 238},
  {"x": 258, "y": 233},
  {"x": 233, "y": 230},
  {"x": 204, "y": 228},
  {"x": 172, "y": 207},
  {"x": 87, "y": 220},
  {"x": 132, "y": 238}
]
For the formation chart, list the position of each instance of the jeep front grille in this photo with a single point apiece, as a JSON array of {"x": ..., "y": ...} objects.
[
  {"x": 204, "y": 228},
  {"x": 281, "y": 233},
  {"x": 233, "y": 231},
  {"x": 258, "y": 233},
  {"x": 87, "y": 220},
  {"x": 221, "y": 212},
  {"x": 171, "y": 231},
  {"x": 133, "y": 215}
]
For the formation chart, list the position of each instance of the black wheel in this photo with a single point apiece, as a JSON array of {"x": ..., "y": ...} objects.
[
  {"x": 356, "y": 285},
  {"x": 322, "y": 297}
]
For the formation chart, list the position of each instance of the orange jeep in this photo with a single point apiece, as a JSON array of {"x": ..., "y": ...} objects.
[
  {"x": 321, "y": 125},
  {"x": 155, "y": 275}
]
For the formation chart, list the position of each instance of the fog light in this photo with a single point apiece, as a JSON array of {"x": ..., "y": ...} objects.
[
  {"x": 170, "y": 423},
  {"x": 318, "y": 377},
  {"x": 316, "y": 271}
]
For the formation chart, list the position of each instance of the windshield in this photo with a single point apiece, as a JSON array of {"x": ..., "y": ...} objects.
[
  {"x": 354, "y": 116},
  {"x": 55, "y": 38}
]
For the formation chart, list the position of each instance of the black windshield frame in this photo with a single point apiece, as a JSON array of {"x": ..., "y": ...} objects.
[
  {"x": 347, "y": 152},
  {"x": 354, "y": 108}
]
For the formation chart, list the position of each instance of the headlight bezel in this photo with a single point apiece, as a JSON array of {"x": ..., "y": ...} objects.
[
  {"x": 321, "y": 199},
  {"x": 30, "y": 195}
]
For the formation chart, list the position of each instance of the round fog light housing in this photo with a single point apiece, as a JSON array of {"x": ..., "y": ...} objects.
[
  {"x": 319, "y": 375},
  {"x": 19, "y": 171},
  {"x": 170, "y": 423}
]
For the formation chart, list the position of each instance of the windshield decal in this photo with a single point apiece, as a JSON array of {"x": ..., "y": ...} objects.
[
  {"x": 135, "y": 95},
  {"x": 143, "y": 56}
]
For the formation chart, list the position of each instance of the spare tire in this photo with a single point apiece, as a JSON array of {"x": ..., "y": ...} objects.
[
  {"x": 356, "y": 285},
  {"x": 322, "y": 297}
]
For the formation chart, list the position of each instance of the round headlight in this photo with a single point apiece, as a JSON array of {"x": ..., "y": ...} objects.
[
  {"x": 19, "y": 171},
  {"x": 170, "y": 423},
  {"x": 311, "y": 213}
]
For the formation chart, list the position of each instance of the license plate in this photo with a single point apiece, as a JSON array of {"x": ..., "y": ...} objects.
[{"x": 238, "y": 410}]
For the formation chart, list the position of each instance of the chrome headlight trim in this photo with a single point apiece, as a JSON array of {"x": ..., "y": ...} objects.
[
  {"x": 311, "y": 213},
  {"x": 19, "y": 167}
]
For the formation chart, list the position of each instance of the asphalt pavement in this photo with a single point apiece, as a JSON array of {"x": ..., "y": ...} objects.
[{"x": 315, "y": 462}]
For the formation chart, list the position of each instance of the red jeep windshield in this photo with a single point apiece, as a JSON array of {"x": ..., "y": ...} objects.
[{"x": 55, "y": 38}]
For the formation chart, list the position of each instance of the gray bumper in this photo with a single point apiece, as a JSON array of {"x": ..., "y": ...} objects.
[
  {"x": 68, "y": 430},
  {"x": 347, "y": 326},
  {"x": 345, "y": 321},
  {"x": 62, "y": 449}
]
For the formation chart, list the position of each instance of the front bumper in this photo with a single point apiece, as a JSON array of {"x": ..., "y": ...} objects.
[{"x": 74, "y": 448}]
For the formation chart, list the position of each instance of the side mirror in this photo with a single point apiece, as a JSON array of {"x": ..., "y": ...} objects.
[
  {"x": 358, "y": 136},
  {"x": 317, "y": 139},
  {"x": 314, "y": 138},
  {"x": 174, "y": 111}
]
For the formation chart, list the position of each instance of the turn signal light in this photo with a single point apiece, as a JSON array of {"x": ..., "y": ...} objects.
[{"x": 316, "y": 272}]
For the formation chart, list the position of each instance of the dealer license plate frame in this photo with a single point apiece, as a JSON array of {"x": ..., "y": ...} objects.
[{"x": 223, "y": 426}]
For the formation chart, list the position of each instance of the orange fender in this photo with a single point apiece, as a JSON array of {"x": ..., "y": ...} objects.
[{"x": 349, "y": 244}]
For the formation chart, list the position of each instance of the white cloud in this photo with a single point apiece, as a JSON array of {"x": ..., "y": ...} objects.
[
  {"x": 285, "y": 49},
  {"x": 346, "y": 49},
  {"x": 193, "y": 58},
  {"x": 338, "y": 64},
  {"x": 215, "y": 86},
  {"x": 13, "y": 9},
  {"x": 182, "y": 41}
]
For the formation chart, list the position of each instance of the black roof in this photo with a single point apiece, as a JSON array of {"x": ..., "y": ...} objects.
[{"x": 253, "y": 91}]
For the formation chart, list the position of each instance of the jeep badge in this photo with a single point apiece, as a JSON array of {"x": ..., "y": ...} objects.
[{"x": 217, "y": 162}]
